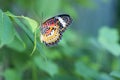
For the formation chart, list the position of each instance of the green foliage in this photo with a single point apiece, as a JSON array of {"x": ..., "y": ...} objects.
[
  {"x": 85, "y": 71},
  {"x": 6, "y": 29},
  {"x": 76, "y": 57},
  {"x": 115, "y": 74},
  {"x": 48, "y": 66},
  {"x": 109, "y": 39},
  {"x": 11, "y": 75},
  {"x": 31, "y": 23}
]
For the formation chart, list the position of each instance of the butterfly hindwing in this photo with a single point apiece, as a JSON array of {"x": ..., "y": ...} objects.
[{"x": 52, "y": 29}]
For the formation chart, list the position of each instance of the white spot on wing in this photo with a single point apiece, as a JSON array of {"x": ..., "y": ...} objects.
[
  {"x": 52, "y": 33},
  {"x": 61, "y": 21}
]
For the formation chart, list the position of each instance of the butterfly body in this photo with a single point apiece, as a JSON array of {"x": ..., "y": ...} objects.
[{"x": 52, "y": 29}]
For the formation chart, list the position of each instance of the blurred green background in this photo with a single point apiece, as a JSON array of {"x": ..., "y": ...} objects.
[{"x": 89, "y": 49}]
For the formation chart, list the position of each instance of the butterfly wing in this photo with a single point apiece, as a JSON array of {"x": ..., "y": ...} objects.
[
  {"x": 52, "y": 29},
  {"x": 64, "y": 21}
]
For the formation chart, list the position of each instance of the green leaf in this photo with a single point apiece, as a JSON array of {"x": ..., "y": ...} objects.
[
  {"x": 7, "y": 31},
  {"x": 104, "y": 76},
  {"x": 17, "y": 44},
  {"x": 85, "y": 71},
  {"x": 27, "y": 31},
  {"x": 55, "y": 54},
  {"x": 10, "y": 74},
  {"x": 109, "y": 40},
  {"x": 32, "y": 24},
  {"x": 29, "y": 34},
  {"x": 115, "y": 74},
  {"x": 47, "y": 66}
]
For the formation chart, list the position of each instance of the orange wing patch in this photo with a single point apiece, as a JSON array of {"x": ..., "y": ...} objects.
[{"x": 52, "y": 35}]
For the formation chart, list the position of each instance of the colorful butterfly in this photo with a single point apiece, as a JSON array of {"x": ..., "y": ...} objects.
[{"x": 53, "y": 28}]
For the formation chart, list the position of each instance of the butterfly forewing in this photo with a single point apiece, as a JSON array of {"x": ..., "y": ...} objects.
[{"x": 52, "y": 29}]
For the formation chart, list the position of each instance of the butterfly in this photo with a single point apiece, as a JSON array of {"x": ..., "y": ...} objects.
[{"x": 53, "y": 28}]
